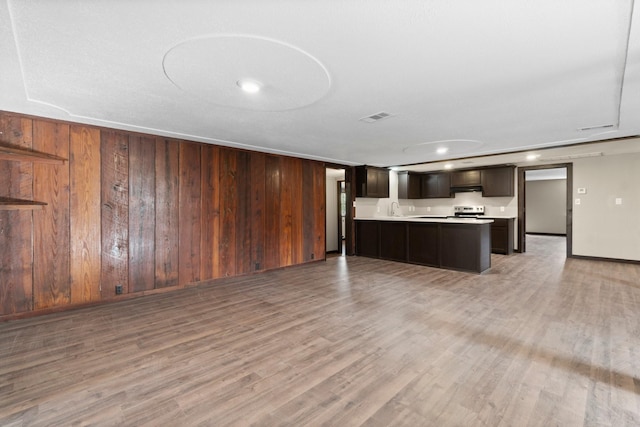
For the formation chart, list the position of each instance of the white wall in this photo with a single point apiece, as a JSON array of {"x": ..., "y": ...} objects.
[
  {"x": 601, "y": 228},
  {"x": 546, "y": 202}
]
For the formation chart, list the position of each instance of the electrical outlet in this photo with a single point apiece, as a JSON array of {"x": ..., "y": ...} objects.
[
  {"x": 118, "y": 289},
  {"x": 428, "y": 208},
  {"x": 577, "y": 201},
  {"x": 501, "y": 208},
  {"x": 618, "y": 201}
]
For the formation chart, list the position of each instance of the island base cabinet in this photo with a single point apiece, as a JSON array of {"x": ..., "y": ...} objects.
[
  {"x": 368, "y": 238},
  {"x": 465, "y": 248},
  {"x": 393, "y": 241},
  {"x": 423, "y": 243}
]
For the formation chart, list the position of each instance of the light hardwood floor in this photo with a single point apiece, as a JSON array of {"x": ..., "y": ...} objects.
[{"x": 536, "y": 341}]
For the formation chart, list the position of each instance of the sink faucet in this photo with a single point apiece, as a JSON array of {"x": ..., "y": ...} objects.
[{"x": 393, "y": 210}]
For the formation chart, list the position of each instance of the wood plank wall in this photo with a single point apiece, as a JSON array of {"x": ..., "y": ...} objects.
[{"x": 146, "y": 212}]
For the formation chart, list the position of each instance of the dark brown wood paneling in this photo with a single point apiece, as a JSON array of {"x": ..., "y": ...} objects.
[
  {"x": 167, "y": 221},
  {"x": 16, "y": 227},
  {"x": 84, "y": 181},
  {"x": 258, "y": 174},
  {"x": 114, "y": 168},
  {"x": 286, "y": 212},
  {"x": 146, "y": 212},
  {"x": 297, "y": 221},
  {"x": 319, "y": 209},
  {"x": 51, "y": 280},
  {"x": 273, "y": 216},
  {"x": 210, "y": 253},
  {"x": 189, "y": 213},
  {"x": 228, "y": 207},
  {"x": 243, "y": 213},
  {"x": 142, "y": 211},
  {"x": 308, "y": 210}
]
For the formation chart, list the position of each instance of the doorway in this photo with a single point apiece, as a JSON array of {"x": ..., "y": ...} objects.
[
  {"x": 336, "y": 211},
  {"x": 545, "y": 204}
]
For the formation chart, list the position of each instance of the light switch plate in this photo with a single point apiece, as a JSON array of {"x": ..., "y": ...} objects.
[
  {"x": 618, "y": 201},
  {"x": 577, "y": 201}
]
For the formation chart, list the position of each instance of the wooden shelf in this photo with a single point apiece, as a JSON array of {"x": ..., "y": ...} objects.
[
  {"x": 7, "y": 204},
  {"x": 18, "y": 154}
]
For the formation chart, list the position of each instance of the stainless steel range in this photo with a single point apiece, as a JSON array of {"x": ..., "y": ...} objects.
[{"x": 468, "y": 211}]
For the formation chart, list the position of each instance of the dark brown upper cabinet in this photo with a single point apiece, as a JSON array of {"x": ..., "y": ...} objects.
[
  {"x": 466, "y": 178},
  {"x": 409, "y": 185},
  {"x": 436, "y": 185},
  {"x": 372, "y": 182},
  {"x": 498, "y": 182}
]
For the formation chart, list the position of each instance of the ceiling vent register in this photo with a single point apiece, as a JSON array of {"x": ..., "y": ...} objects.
[{"x": 376, "y": 117}]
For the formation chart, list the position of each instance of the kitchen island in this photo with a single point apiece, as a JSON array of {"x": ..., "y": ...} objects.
[{"x": 456, "y": 244}]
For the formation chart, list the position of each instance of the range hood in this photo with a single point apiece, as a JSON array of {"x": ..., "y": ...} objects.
[{"x": 466, "y": 189}]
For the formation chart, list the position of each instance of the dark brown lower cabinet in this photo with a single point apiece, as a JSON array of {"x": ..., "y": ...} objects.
[
  {"x": 393, "y": 241},
  {"x": 502, "y": 236},
  {"x": 464, "y": 247},
  {"x": 368, "y": 238},
  {"x": 423, "y": 245}
]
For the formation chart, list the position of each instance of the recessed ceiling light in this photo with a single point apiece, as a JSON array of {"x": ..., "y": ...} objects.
[
  {"x": 442, "y": 150},
  {"x": 448, "y": 166},
  {"x": 249, "y": 86}
]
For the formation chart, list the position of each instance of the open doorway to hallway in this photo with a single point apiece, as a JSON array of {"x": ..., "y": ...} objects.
[
  {"x": 545, "y": 209},
  {"x": 336, "y": 211}
]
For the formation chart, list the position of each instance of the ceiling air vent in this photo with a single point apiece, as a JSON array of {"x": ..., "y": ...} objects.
[
  {"x": 595, "y": 127},
  {"x": 376, "y": 117}
]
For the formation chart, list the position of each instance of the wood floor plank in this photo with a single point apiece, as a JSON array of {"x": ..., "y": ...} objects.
[{"x": 538, "y": 340}]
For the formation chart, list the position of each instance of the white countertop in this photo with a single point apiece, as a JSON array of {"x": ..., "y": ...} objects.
[{"x": 428, "y": 218}]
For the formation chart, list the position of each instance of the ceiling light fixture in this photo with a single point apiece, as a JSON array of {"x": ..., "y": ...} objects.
[
  {"x": 442, "y": 150},
  {"x": 249, "y": 86},
  {"x": 532, "y": 156},
  {"x": 448, "y": 166}
]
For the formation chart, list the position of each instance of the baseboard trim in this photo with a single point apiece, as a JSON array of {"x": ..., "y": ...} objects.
[{"x": 595, "y": 258}]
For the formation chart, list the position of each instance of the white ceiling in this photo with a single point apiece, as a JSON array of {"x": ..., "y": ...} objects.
[{"x": 478, "y": 77}]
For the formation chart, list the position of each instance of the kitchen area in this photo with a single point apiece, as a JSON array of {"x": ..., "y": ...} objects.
[{"x": 444, "y": 219}]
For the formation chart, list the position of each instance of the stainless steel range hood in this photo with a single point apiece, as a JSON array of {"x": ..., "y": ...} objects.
[{"x": 466, "y": 189}]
